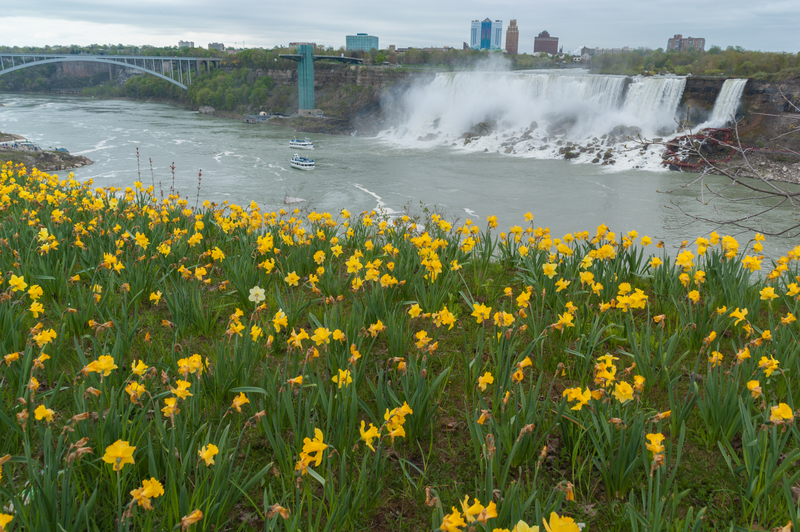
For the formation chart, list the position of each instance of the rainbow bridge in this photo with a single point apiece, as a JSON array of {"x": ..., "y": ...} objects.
[{"x": 176, "y": 70}]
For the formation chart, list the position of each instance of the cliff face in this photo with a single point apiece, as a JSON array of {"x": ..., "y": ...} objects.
[
  {"x": 353, "y": 98},
  {"x": 335, "y": 75},
  {"x": 766, "y": 109},
  {"x": 84, "y": 69},
  {"x": 701, "y": 92},
  {"x": 771, "y": 109},
  {"x": 759, "y": 96}
]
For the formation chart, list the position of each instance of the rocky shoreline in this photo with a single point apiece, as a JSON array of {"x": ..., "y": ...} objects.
[{"x": 43, "y": 160}]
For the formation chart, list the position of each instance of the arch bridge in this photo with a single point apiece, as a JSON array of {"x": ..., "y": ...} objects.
[{"x": 176, "y": 70}]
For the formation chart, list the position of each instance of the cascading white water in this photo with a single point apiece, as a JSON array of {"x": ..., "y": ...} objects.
[
  {"x": 654, "y": 98},
  {"x": 536, "y": 113},
  {"x": 454, "y": 102},
  {"x": 727, "y": 103}
]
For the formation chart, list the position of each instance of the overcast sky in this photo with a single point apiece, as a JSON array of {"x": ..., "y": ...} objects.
[{"x": 769, "y": 25}]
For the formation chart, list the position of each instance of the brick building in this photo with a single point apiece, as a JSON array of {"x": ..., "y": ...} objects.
[
  {"x": 512, "y": 38},
  {"x": 681, "y": 44},
  {"x": 545, "y": 43}
]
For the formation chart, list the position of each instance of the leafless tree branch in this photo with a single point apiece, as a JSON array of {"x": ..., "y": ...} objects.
[{"x": 746, "y": 186}]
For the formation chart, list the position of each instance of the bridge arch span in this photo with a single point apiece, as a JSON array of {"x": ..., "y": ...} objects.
[{"x": 107, "y": 60}]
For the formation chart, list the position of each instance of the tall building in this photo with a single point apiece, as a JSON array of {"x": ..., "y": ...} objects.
[
  {"x": 361, "y": 41},
  {"x": 216, "y": 46},
  {"x": 680, "y": 44},
  {"x": 544, "y": 43},
  {"x": 185, "y": 44},
  {"x": 486, "y": 35},
  {"x": 512, "y": 38}
]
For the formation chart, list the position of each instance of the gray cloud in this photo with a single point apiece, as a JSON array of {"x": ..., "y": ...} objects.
[{"x": 766, "y": 25}]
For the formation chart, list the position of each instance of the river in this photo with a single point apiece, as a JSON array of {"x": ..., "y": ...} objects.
[{"x": 242, "y": 162}]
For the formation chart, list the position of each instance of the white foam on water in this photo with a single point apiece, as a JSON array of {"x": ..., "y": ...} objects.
[
  {"x": 102, "y": 145},
  {"x": 381, "y": 204}
]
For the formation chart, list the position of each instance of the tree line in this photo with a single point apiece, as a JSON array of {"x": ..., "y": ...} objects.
[{"x": 731, "y": 62}]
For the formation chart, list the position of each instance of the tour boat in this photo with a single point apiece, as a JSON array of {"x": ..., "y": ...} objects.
[
  {"x": 301, "y": 144},
  {"x": 302, "y": 163}
]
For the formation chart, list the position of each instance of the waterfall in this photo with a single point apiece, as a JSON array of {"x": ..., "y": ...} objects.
[
  {"x": 727, "y": 103},
  {"x": 600, "y": 92},
  {"x": 654, "y": 99},
  {"x": 535, "y": 113}
]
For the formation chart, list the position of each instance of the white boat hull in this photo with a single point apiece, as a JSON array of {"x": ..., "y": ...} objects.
[{"x": 300, "y": 166}]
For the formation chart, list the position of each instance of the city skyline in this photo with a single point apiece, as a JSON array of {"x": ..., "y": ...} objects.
[{"x": 769, "y": 25}]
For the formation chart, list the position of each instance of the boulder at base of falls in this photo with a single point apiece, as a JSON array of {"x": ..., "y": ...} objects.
[
  {"x": 469, "y": 135},
  {"x": 484, "y": 128},
  {"x": 562, "y": 126},
  {"x": 626, "y": 131},
  {"x": 510, "y": 149},
  {"x": 571, "y": 155},
  {"x": 534, "y": 126},
  {"x": 595, "y": 160},
  {"x": 429, "y": 136}
]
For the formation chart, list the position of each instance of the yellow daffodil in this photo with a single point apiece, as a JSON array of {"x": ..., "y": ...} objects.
[
  {"x": 150, "y": 489},
  {"x": 42, "y": 412},
  {"x": 343, "y": 378},
  {"x": 780, "y": 413},
  {"x": 292, "y": 279},
  {"x": 485, "y": 380},
  {"x": 17, "y": 284},
  {"x": 207, "y": 453},
  {"x": 481, "y": 312},
  {"x": 239, "y": 401},
  {"x": 119, "y": 453},
  {"x": 560, "y": 524},
  {"x": 453, "y": 522},
  {"x": 623, "y": 392},
  {"x": 368, "y": 435},
  {"x": 655, "y": 440},
  {"x": 189, "y": 520},
  {"x": 768, "y": 294},
  {"x": 4, "y": 520}
]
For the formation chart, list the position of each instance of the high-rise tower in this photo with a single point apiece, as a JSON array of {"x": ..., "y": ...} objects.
[
  {"x": 512, "y": 38},
  {"x": 485, "y": 34}
]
